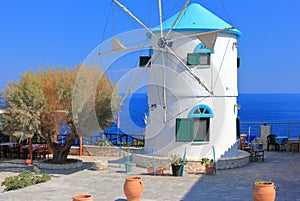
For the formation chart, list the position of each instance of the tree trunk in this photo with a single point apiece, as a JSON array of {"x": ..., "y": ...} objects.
[{"x": 60, "y": 153}]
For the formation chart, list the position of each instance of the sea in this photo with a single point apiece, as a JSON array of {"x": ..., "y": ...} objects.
[
  {"x": 279, "y": 109},
  {"x": 275, "y": 110}
]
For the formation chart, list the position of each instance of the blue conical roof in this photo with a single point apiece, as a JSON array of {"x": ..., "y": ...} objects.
[{"x": 197, "y": 18}]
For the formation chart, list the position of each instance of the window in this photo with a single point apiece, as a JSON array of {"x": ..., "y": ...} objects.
[
  {"x": 204, "y": 58},
  {"x": 193, "y": 59},
  {"x": 144, "y": 60},
  {"x": 201, "y": 129},
  {"x": 200, "y": 56},
  {"x": 198, "y": 59},
  {"x": 196, "y": 127}
]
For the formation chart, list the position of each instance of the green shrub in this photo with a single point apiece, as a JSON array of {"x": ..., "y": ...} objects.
[
  {"x": 43, "y": 178},
  {"x": 24, "y": 179},
  {"x": 104, "y": 143},
  {"x": 36, "y": 170}
]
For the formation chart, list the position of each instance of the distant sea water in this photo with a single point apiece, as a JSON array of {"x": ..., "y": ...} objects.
[
  {"x": 269, "y": 107},
  {"x": 254, "y": 108},
  {"x": 277, "y": 108}
]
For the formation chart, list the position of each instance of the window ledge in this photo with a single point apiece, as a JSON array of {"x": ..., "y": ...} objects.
[{"x": 200, "y": 143}]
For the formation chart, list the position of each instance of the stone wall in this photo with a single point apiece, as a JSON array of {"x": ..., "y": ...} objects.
[
  {"x": 110, "y": 151},
  {"x": 143, "y": 160},
  {"x": 75, "y": 151},
  {"x": 194, "y": 166},
  {"x": 234, "y": 162}
]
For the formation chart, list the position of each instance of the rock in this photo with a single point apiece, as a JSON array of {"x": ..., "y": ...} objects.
[{"x": 100, "y": 165}]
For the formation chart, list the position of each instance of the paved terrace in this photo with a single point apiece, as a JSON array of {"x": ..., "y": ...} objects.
[{"x": 233, "y": 185}]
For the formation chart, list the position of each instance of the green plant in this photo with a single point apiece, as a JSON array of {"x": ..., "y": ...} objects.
[
  {"x": 259, "y": 180},
  {"x": 36, "y": 170},
  {"x": 176, "y": 160},
  {"x": 24, "y": 179},
  {"x": 104, "y": 143},
  {"x": 43, "y": 178},
  {"x": 207, "y": 162},
  {"x": 158, "y": 164}
]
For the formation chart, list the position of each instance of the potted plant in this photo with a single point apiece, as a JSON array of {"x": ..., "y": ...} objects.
[
  {"x": 209, "y": 165},
  {"x": 158, "y": 168},
  {"x": 263, "y": 190},
  {"x": 177, "y": 163}
]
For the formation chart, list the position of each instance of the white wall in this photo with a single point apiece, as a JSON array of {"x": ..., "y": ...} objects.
[{"x": 183, "y": 92}]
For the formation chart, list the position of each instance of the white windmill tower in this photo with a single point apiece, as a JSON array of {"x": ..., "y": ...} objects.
[{"x": 192, "y": 82}]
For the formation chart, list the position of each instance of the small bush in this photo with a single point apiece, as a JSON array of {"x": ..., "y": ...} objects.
[
  {"x": 43, "y": 178},
  {"x": 104, "y": 143},
  {"x": 36, "y": 170},
  {"x": 24, "y": 179}
]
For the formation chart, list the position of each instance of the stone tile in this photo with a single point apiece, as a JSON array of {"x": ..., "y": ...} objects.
[{"x": 234, "y": 184}]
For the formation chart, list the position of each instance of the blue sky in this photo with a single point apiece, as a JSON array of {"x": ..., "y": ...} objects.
[{"x": 63, "y": 32}]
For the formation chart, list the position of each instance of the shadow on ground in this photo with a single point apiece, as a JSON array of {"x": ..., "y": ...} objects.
[
  {"x": 282, "y": 168},
  {"x": 18, "y": 166}
]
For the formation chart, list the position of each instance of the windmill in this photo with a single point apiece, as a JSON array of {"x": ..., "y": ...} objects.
[{"x": 192, "y": 78}]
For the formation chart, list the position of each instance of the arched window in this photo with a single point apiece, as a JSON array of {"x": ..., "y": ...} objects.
[
  {"x": 196, "y": 127},
  {"x": 201, "y": 111}
]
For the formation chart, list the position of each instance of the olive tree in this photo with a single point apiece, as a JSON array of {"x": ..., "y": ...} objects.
[{"x": 40, "y": 103}]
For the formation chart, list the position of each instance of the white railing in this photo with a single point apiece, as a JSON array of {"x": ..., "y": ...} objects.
[{"x": 290, "y": 129}]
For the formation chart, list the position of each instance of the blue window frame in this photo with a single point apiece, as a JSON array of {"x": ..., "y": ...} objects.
[
  {"x": 201, "y": 111},
  {"x": 196, "y": 127}
]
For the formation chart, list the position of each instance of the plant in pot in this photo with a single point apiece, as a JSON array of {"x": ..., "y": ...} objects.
[
  {"x": 263, "y": 190},
  {"x": 209, "y": 165},
  {"x": 159, "y": 170},
  {"x": 177, "y": 163}
]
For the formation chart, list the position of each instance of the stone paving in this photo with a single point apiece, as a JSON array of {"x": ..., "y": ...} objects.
[{"x": 233, "y": 185}]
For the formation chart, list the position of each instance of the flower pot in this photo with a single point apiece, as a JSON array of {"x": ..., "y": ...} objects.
[
  {"x": 210, "y": 169},
  {"x": 177, "y": 170},
  {"x": 159, "y": 171},
  {"x": 83, "y": 197},
  {"x": 264, "y": 191},
  {"x": 133, "y": 188},
  {"x": 27, "y": 162}
]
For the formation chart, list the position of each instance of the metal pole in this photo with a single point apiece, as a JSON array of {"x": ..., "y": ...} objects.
[
  {"x": 80, "y": 146},
  {"x": 184, "y": 161},
  {"x": 215, "y": 163},
  {"x": 153, "y": 162}
]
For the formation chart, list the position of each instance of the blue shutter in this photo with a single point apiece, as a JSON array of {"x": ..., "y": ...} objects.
[{"x": 184, "y": 130}]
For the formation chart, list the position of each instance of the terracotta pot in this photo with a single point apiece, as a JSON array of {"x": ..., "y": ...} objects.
[
  {"x": 83, "y": 197},
  {"x": 210, "y": 169},
  {"x": 159, "y": 171},
  {"x": 133, "y": 188},
  {"x": 27, "y": 162},
  {"x": 264, "y": 191}
]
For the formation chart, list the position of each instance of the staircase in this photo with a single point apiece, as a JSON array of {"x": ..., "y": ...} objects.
[{"x": 232, "y": 151}]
